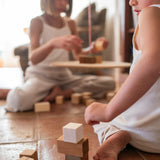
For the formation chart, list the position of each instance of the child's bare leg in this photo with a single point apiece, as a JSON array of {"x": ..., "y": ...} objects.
[
  {"x": 58, "y": 91},
  {"x": 110, "y": 149},
  {"x": 4, "y": 93}
]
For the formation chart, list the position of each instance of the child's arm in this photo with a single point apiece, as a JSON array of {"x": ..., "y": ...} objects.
[
  {"x": 39, "y": 53},
  {"x": 91, "y": 49},
  {"x": 143, "y": 76}
]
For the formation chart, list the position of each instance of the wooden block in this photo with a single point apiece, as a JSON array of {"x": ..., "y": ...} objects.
[
  {"x": 76, "y": 98},
  {"x": 80, "y": 149},
  {"x": 29, "y": 153},
  {"x": 109, "y": 96},
  {"x": 87, "y": 59},
  {"x": 59, "y": 99},
  {"x": 69, "y": 157},
  {"x": 25, "y": 158},
  {"x": 85, "y": 98},
  {"x": 87, "y": 94},
  {"x": 100, "y": 44},
  {"x": 42, "y": 107},
  {"x": 89, "y": 101},
  {"x": 98, "y": 59},
  {"x": 73, "y": 132}
]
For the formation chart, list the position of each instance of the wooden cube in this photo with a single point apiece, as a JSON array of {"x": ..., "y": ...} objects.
[
  {"x": 99, "y": 45},
  {"x": 79, "y": 150},
  {"x": 73, "y": 132},
  {"x": 42, "y": 107},
  {"x": 59, "y": 99},
  {"x": 98, "y": 59},
  {"x": 87, "y": 94},
  {"x": 25, "y": 158},
  {"x": 89, "y": 101},
  {"x": 29, "y": 153},
  {"x": 109, "y": 96},
  {"x": 76, "y": 98},
  {"x": 85, "y": 98}
]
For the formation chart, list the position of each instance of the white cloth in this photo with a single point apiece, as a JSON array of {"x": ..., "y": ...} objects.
[
  {"x": 41, "y": 78},
  {"x": 141, "y": 120}
]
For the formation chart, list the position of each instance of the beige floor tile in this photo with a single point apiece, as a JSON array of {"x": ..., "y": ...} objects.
[{"x": 12, "y": 151}]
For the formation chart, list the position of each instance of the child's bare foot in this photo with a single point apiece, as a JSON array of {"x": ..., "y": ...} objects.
[
  {"x": 4, "y": 93},
  {"x": 110, "y": 149},
  {"x": 57, "y": 91}
]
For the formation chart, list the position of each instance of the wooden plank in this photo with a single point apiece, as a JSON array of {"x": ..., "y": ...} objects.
[{"x": 104, "y": 64}]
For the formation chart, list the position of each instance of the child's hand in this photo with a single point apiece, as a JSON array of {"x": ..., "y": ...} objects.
[
  {"x": 68, "y": 42},
  {"x": 95, "y": 113}
]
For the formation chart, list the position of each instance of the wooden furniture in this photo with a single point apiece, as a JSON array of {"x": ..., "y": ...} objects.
[{"x": 104, "y": 64}]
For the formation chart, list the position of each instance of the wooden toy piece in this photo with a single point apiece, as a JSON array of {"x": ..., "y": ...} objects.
[
  {"x": 109, "y": 96},
  {"x": 85, "y": 98},
  {"x": 25, "y": 158},
  {"x": 100, "y": 44},
  {"x": 87, "y": 94},
  {"x": 42, "y": 107},
  {"x": 69, "y": 157},
  {"x": 79, "y": 150},
  {"x": 29, "y": 153},
  {"x": 59, "y": 99},
  {"x": 98, "y": 59},
  {"x": 89, "y": 101},
  {"x": 87, "y": 59},
  {"x": 73, "y": 132},
  {"x": 76, "y": 98}
]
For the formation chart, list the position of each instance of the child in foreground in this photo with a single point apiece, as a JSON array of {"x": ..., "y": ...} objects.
[
  {"x": 52, "y": 37},
  {"x": 133, "y": 115}
]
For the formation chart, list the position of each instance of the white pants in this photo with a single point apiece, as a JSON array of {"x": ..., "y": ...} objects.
[{"x": 36, "y": 88}]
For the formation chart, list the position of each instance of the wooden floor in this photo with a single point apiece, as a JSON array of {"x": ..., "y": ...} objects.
[{"x": 30, "y": 130}]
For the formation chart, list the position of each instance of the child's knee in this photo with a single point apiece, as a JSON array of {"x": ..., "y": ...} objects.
[{"x": 18, "y": 100}]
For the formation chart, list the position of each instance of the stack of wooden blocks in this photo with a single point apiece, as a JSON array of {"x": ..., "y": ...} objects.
[
  {"x": 85, "y": 98},
  {"x": 72, "y": 143}
]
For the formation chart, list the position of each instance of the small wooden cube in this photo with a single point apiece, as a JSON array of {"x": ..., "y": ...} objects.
[
  {"x": 80, "y": 149},
  {"x": 42, "y": 107},
  {"x": 85, "y": 98},
  {"x": 99, "y": 45},
  {"x": 87, "y": 94},
  {"x": 98, "y": 59},
  {"x": 109, "y": 96},
  {"x": 89, "y": 101},
  {"x": 76, "y": 98},
  {"x": 29, "y": 153},
  {"x": 73, "y": 132},
  {"x": 59, "y": 99},
  {"x": 25, "y": 158}
]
